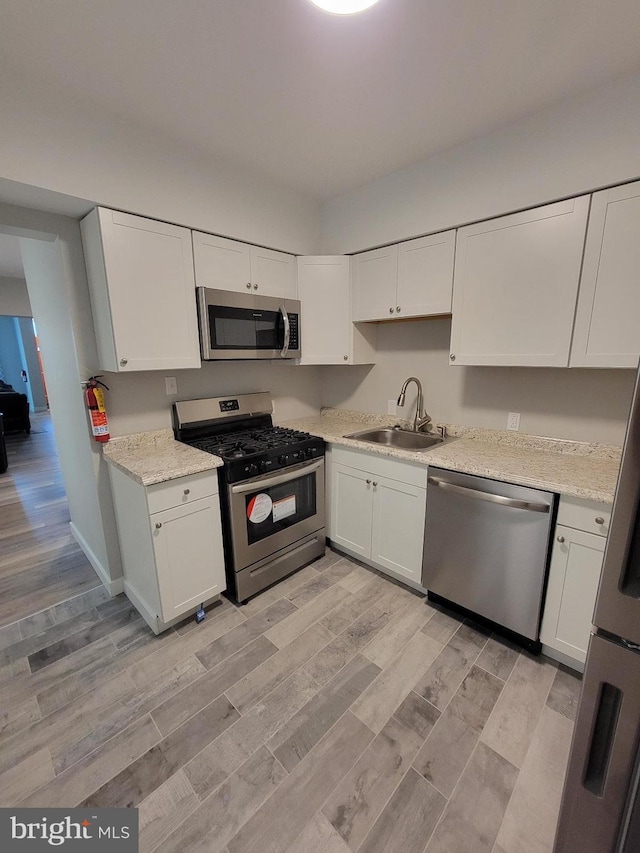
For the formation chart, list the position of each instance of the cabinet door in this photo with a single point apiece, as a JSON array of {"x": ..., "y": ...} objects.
[
  {"x": 397, "y": 535},
  {"x": 323, "y": 289},
  {"x": 375, "y": 276},
  {"x": 574, "y": 574},
  {"x": 607, "y": 332},
  {"x": 142, "y": 291},
  {"x": 187, "y": 542},
  {"x": 221, "y": 263},
  {"x": 351, "y": 500},
  {"x": 515, "y": 287},
  {"x": 273, "y": 273},
  {"x": 425, "y": 275}
]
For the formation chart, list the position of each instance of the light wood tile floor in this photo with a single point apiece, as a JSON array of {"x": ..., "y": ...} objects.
[
  {"x": 41, "y": 564},
  {"x": 336, "y": 712}
]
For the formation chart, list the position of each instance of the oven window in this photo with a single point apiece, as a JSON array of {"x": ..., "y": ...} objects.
[
  {"x": 274, "y": 508},
  {"x": 244, "y": 328}
]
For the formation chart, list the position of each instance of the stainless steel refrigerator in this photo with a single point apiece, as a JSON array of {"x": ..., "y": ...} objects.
[{"x": 600, "y": 811}]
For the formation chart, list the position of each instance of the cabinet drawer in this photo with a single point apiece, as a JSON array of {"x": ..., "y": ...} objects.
[
  {"x": 182, "y": 491},
  {"x": 584, "y": 515}
]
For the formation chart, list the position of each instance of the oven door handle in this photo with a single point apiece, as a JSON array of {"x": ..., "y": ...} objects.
[
  {"x": 285, "y": 320},
  {"x": 268, "y": 480}
]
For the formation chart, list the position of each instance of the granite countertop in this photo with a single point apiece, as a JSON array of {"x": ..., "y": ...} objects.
[
  {"x": 155, "y": 457},
  {"x": 574, "y": 468}
]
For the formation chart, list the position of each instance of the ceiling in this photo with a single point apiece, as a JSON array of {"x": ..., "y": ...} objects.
[{"x": 319, "y": 102}]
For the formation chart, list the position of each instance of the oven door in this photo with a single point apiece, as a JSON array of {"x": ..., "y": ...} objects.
[{"x": 269, "y": 513}]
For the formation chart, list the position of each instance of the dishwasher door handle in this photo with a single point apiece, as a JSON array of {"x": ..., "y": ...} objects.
[{"x": 466, "y": 492}]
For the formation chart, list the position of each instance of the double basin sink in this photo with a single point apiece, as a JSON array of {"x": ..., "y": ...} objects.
[{"x": 401, "y": 438}]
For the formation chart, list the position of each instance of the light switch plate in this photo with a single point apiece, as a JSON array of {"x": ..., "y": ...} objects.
[
  {"x": 513, "y": 420},
  {"x": 171, "y": 385},
  {"x": 391, "y": 407}
]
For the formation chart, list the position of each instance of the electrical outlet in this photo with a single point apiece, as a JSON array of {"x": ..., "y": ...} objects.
[
  {"x": 391, "y": 407},
  {"x": 513, "y": 420},
  {"x": 171, "y": 385}
]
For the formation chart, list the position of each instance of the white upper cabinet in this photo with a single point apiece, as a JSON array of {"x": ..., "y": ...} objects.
[
  {"x": 375, "y": 277},
  {"x": 221, "y": 263},
  {"x": 607, "y": 329},
  {"x": 328, "y": 336},
  {"x": 142, "y": 290},
  {"x": 425, "y": 275},
  {"x": 231, "y": 265},
  {"x": 273, "y": 273},
  {"x": 515, "y": 287},
  {"x": 410, "y": 279}
]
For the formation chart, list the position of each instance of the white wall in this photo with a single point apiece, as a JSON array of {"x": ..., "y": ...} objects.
[
  {"x": 76, "y": 149},
  {"x": 576, "y": 146},
  {"x": 55, "y": 272},
  {"x": 138, "y": 402},
  {"x": 584, "y": 405},
  {"x": 14, "y": 297}
]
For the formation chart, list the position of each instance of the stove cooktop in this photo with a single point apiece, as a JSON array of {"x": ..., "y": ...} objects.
[
  {"x": 249, "y": 442},
  {"x": 253, "y": 452}
]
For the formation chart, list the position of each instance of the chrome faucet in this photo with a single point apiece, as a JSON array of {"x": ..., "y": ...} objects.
[{"x": 421, "y": 418}]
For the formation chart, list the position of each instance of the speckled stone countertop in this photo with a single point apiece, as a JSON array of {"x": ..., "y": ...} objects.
[
  {"x": 573, "y": 468},
  {"x": 155, "y": 457}
]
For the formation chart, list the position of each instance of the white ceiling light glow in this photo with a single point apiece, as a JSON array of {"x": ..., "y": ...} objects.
[{"x": 343, "y": 7}]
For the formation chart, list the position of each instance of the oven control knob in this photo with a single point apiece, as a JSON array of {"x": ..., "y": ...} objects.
[
  {"x": 251, "y": 469},
  {"x": 282, "y": 460},
  {"x": 309, "y": 452},
  {"x": 265, "y": 465}
]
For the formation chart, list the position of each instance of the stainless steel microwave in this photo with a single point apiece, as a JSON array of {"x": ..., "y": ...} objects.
[{"x": 245, "y": 326}]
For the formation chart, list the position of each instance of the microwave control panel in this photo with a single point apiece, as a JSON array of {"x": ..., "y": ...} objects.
[{"x": 293, "y": 332}]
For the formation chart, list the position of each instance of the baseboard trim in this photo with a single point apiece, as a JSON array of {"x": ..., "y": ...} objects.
[{"x": 115, "y": 587}]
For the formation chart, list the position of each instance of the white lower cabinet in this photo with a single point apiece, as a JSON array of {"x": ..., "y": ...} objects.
[
  {"x": 171, "y": 543},
  {"x": 377, "y": 511},
  {"x": 574, "y": 575}
]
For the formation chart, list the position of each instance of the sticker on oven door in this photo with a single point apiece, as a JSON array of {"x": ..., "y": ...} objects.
[
  {"x": 284, "y": 508},
  {"x": 259, "y": 508}
]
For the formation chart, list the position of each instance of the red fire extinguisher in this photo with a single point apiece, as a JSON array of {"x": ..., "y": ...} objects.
[{"x": 94, "y": 396}]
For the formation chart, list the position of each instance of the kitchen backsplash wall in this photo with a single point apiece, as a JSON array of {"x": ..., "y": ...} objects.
[
  {"x": 583, "y": 405},
  {"x": 137, "y": 401}
]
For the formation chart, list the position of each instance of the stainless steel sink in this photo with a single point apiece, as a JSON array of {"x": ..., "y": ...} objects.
[{"x": 400, "y": 438}]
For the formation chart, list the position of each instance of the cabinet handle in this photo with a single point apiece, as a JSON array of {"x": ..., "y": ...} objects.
[
  {"x": 560, "y": 539},
  {"x": 368, "y": 482},
  {"x": 158, "y": 525},
  {"x": 452, "y": 357},
  {"x": 186, "y": 491},
  {"x": 374, "y": 483},
  {"x": 599, "y": 519},
  {"x": 255, "y": 286},
  {"x": 398, "y": 309},
  {"x": 123, "y": 361},
  {"x": 345, "y": 357},
  {"x": 248, "y": 285},
  {"x": 391, "y": 310}
]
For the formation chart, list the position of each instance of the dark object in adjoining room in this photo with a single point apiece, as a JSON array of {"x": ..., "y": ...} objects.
[
  {"x": 15, "y": 409},
  {"x": 4, "y": 464}
]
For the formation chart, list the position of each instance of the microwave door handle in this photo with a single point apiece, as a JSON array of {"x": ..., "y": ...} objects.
[{"x": 285, "y": 320}]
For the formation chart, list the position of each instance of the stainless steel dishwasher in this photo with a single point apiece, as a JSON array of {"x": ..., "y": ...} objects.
[{"x": 486, "y": 548}]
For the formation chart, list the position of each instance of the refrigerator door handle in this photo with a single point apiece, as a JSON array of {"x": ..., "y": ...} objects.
[{"x": 603, "y": 753}]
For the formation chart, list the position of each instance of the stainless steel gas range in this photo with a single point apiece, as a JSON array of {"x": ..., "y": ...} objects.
[{"x": 271, "y": 487}]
